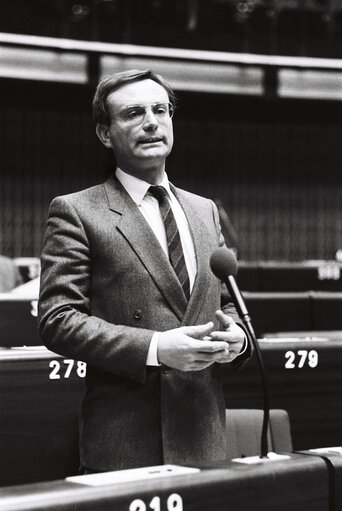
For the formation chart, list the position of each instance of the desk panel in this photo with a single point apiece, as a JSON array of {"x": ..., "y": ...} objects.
[
  {"x": 304, "y": 378},
  {"x": 335, "y": 462},
  {"x": 40, "y": 394},
  {"x": 333, "y": 457},
  {"x": 326, "y": 311},
  {"x": 271, "y": 312},
  {"x": 18, "y": 322},
  {"x": 273, "y": 276},
  {"x": 292, "y": 485}
]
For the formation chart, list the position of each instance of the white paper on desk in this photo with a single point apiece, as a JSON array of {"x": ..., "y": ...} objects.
[
  {"x": 131, "y": 475},
  {"x": 327, "y": 450}
]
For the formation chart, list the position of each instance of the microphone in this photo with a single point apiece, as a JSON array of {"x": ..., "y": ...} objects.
[{"x": 224, "y": 266}]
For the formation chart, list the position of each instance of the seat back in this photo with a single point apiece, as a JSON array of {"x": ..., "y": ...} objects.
[{"x": 243, "y": 430}]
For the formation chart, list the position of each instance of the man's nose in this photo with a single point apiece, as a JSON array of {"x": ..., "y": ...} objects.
[{"x": 150, "y": 121}]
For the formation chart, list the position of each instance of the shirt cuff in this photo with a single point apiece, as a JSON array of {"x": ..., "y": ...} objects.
[
  {"x": 245, "y": 342},
  {"x": 152, "y": 355}
]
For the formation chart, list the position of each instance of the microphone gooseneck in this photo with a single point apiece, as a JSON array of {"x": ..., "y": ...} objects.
[{"x": 224, "y": 266}]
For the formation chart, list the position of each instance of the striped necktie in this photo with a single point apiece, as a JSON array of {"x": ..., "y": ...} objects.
[{"x": 174, "y": 244}]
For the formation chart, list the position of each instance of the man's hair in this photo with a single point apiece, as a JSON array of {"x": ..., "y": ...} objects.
[{"x": 114, "y": 81}]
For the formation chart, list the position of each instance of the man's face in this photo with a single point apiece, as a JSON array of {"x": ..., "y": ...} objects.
[{"x": 139, "y": 144}]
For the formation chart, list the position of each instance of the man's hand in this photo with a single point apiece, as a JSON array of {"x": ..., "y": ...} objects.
[
  {"x": 186, "y": 348},
  {"x": 232, "y": 334}
]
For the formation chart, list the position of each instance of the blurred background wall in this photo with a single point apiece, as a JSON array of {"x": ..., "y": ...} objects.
[{"x": 267, "y": 145}]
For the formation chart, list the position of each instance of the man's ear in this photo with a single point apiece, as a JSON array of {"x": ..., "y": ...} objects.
[{"x": 102, "y": 132}]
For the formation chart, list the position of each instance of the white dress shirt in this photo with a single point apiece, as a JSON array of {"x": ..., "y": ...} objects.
[{"x": 149, "y": 207}]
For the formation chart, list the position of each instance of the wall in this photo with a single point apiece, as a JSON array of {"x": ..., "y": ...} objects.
[{"x": 274, "y": 164}]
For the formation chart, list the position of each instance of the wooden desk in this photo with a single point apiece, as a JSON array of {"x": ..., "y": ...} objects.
[
  {"x": 272, "y": 312},
  {"x": 304, "y": 378},
  {"x": 334, "y": 465},
  {"x": 292, "y": 485},
  {"x": 18, "y": 321},
  {"x": 294, "y": 311},
  {"x": 40, "y": 393},
  {"x": 272, "y": 276}
]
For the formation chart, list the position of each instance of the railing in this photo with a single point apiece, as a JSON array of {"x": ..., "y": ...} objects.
[{"x": 83, "y": 62}]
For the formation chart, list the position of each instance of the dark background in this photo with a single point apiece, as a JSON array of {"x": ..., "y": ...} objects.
[{"x": 273, "y": 162}]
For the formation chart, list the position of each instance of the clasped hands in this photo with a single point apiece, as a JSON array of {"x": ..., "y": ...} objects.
[{"x": 193, "y": 348}]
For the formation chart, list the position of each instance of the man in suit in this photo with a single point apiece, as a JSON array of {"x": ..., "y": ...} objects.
[{"x": 150, "y": 329}]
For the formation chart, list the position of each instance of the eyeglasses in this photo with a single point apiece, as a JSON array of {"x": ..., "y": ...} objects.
[{"x": 135, "y": 115}]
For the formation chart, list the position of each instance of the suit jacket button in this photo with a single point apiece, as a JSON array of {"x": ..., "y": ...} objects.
[{"x": 138, "y": 314}]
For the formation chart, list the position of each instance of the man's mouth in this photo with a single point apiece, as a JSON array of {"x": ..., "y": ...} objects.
[{"x": 150, "y": 140}]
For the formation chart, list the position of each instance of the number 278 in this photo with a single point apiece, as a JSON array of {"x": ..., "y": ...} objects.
[{"x": 66, "y": 371}]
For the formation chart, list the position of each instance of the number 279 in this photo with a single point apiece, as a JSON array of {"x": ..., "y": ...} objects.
[{"x": 298, "y": 359}]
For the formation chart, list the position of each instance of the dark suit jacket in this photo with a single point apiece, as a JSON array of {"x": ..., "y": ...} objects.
[{"x": 106, "y": 286}]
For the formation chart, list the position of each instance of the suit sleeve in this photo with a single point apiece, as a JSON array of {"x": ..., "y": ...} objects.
[
  {"x": 65, "y": 323},
  {"x": 227, "y": 304}
]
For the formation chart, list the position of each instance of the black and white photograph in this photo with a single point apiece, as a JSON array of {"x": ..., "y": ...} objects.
[{"x": 170, "y": 255}]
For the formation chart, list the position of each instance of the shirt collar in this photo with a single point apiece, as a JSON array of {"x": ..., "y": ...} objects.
[{"x": 137, "y": 188}]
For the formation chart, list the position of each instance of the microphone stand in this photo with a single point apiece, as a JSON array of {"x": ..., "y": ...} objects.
[
  {"x": 266, "y": 418},
  {"x": 243, "y": 313}
]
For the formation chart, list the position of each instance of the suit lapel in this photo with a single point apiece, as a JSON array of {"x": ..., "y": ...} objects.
[{"x": 133, "y": 226}]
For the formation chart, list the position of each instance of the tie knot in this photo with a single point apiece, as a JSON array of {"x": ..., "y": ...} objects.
[{"x": 158, "y": 192}]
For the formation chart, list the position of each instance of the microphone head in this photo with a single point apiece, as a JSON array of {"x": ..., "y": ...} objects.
[{"x": 223, "y": 263}]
